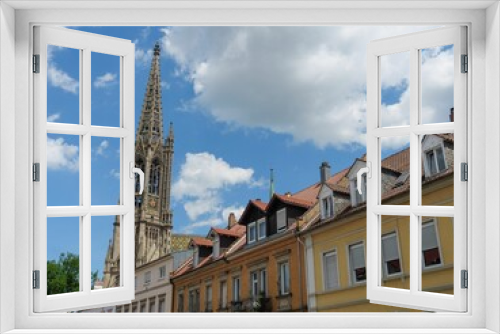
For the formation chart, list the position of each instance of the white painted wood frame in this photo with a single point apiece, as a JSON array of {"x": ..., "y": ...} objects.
[
  {"x": 415, "y": 297},
  {"x": 86, "y": 43}
]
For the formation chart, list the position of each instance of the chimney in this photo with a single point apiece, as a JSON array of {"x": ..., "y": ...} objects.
[
  {"x": 231, "y": 220},
  {"x": 452, "y": 114},
  {"x": 324, "y": 172}
]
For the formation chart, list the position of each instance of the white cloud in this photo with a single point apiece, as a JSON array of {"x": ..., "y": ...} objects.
[
  {"x": 61, "y": 79},
  {"x": 115, "y": 173},
  {"x": 164, "y": 84},
  {"x": 53, "y": 117},
  {"x": 237, "y": 210},
  {"x": 102, "y": 147},
  {"x": 200, "y": 187},
  {"x": 143, "y": 57},
  {"x": 307, "y": 82},
  {"x": 105, "y": 80},
  {"x": 61, "y": 155}
]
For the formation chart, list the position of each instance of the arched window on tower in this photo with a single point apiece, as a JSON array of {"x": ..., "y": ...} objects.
[{"x": 154, "y": 178}]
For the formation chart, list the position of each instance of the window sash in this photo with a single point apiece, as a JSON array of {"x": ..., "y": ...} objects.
[
  {"x": 330, "y": 271},
  {"x": 86, "y": 43},
  {"x": 414, "y": 297},
  {"x": 281, "y": 219}
]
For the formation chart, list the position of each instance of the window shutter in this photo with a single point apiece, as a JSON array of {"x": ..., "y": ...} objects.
[
  {"x": 330, "y": 269},
  {"x": 281, "y": 219},
  {"x": 390, "y": 248}
]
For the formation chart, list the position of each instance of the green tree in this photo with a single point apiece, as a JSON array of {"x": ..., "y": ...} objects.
[{"x": 63, "y": 275}]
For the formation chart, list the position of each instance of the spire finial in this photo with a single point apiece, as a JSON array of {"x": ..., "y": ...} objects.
[
  {"x": 157, "y": 48},
  {"x": 271, "y": 184}
]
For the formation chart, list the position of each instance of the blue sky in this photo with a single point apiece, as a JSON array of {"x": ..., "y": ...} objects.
[{"x": 242, "y": 100}]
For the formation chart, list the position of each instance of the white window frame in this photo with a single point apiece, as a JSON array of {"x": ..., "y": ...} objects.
[
  {"x": 434, "y": 224},
  {"x": 261, "y": 222},
  {"x": 85, "y": 43},
  {"x": 251, "y": 226},
  {"x": 147, "y": 277},
  {"x": 484, "y": 87},
  {"x": 162, "y": 272},
  {"x": 236, "y": 289},
  {"x": 415, "y": 296},
  {"x": 282, "y": 279},
  {"x": 434, "y": 150},
  {"x": 395, "y": 235},
  {"x": 281, "y": 227},
  {"x": 324, "y": 255},
  {"x": 352, "y": 276}
]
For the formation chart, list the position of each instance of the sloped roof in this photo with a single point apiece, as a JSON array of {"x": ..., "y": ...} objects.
[
  {"x": 180, "y": 242},
  {"x": 200, "y": 241}
]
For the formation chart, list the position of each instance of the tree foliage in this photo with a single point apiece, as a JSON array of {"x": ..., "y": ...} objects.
[{"x": 63, "y": 275}]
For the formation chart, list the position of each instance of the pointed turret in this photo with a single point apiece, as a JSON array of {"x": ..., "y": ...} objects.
[{"x": 150, "y": 129}]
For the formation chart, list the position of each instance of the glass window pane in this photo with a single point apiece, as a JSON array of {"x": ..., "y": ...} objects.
[
  {"x": 395, "y": 93},
  {"x": 357, "y": 262},
  {"x": 63, "y": 255},
  {"x": 437, "y": 169},
  {"x": 105, "y": 90},
  {"x": 437, "y": 254},
  {"x": 437, "y": 80},
  {"x": 105, "y": 259},
  {"x": 63, "y": 170},
  {"x": 63, "y": 85},
  {"x": 105, "y": 170},
  {"x": 395, "y": 170},
  {"x": 395, "y": 238}
]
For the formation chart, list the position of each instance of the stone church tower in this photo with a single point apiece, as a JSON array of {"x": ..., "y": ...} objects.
[{"x": 153, "y": 216}]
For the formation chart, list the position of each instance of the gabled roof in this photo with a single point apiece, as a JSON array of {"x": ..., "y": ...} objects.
[
  {"x": 235, "y": 232},
  {"x": 200, "y": 241},
  {"x": 336, "y": 182},
  {"x": 253, "y": 204}
]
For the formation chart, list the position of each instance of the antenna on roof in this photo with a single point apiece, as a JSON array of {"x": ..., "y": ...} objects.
[{"x": 271, "y": 184}]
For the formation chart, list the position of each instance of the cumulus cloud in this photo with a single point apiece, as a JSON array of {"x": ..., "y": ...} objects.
[
  {"x": 53, "y": 117},
  {"x": 102, "y": 147},
  {"x": 61, "y": 155},
  {"x": 58, "y": 77},
  {"x": 143, "y": 57},
  {"x": 200, "y": 186},
  {"x": 306, "y": 82},
  {"x": 105, "y": 80}
]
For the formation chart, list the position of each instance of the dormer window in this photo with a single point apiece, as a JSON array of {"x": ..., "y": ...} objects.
[
  {"x": 252, "y": 233},
  {"x": 356, "y": 197},
  {"x": 434, "y": 161},
  {"x": 195, "y": 257},
  {"x": 327, "y": 207},
  {"x": 281, "y": 220},
  {"x": 216, "y": 246},
  {"x": 261, "y": 226}
]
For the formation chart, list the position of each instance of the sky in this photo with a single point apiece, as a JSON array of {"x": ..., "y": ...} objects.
[{"x": 242, "y": 100}]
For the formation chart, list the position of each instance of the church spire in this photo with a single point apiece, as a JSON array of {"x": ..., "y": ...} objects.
[{"x": 151, "y": 123}]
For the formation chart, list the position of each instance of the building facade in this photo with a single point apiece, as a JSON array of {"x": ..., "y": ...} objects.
[{"x": 336, "y": 243}]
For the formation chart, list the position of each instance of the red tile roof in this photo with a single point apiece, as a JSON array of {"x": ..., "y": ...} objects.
[
  {"x": 199, "y": 241},
  {"x": 235, "y": 232},
  {"x": 259, "y": 204},
  {"x": 335, "y": 182}
]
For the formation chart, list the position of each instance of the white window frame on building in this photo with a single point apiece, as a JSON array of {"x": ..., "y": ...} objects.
[
  {"x": 483, "y": 19},
  {"x": 353, "y": 266},
  {"x": 281, "y": 220},
  {"x": 331, "y": 279},
  {"x": 262, "y": 234},
  {"x": 236, "y": 289},
  {"x": 284, "y": 278},
  {"x": 385, "y": 256},
  {"x": 431, "y": 224},
  {"x": 252, "y": 237}
]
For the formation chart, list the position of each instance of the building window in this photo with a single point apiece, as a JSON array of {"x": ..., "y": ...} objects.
[
  {"x": 208, "y": 298},
  {"x": 357, "y": 262},
  {"x": 152, "y": 306},
  {"x": 284, "y": 278},
  {"x": 147, "y": 277},
  {"x": 258, "y": 280},
  {"x": 143, "y": 307},
  {"x": 236, "y": 289},
  {"x": 223, "y": 295},
  {"x": 390, "y": 254},
  {"x": 330, "y": 271},
  {"x": 356, "y": 197},
  {"x": 327, "y": 207},
  {"x": 154, "y": 178},
  {"x": 163, "y": 272},
  {"x": 431, "y": 256},
  {"x": 262, "y": 228},
  {"x": 281, "y": 220},
  {"x": 195, "y": 257},
  {"x": 252, "y": 233},
  {"x": 216, "y": 246},
  {"x": 180, "y": 302},
  {"x": 434, "y": 160},
  {"x": 161, "y": 305},
  {"x": 194, "y": 300}
]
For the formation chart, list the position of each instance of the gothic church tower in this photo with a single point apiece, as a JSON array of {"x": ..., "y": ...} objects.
[{"x": 153, "y": 216}]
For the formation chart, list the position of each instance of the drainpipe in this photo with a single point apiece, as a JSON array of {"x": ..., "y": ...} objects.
[{"x": 299, "y": 242}]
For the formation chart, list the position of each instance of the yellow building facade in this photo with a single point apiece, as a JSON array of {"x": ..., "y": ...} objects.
[{"x": 336, "y": 246}]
